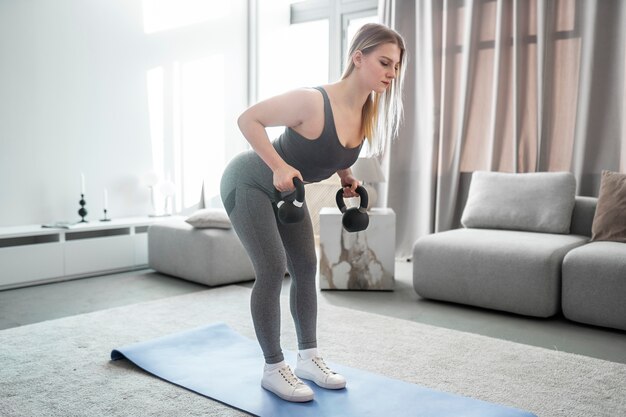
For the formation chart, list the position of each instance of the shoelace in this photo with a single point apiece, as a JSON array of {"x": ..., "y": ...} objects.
[
  {"x": 322, "y": 365},
  {"x": 289, "y": 376}
]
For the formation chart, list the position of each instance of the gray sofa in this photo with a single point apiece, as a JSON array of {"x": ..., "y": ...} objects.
[{"x": 529, "y": 272}]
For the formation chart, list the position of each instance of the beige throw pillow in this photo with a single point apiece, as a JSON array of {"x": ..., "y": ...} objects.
[
  {"x": 209, "y": 218},
  {"x": 609, "y": 222}
]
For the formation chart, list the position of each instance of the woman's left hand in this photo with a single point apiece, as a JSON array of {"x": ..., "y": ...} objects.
[{"x": 349, "y": 184}]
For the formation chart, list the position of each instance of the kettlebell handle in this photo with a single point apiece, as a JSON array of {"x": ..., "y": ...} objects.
[
  {"x": 299, "y": 200},
  {"x": 360, "y": 190}
]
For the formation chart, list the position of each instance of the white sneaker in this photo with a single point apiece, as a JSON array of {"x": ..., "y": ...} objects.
[
  {"x": 316, "y": 370},
  {"x": 286, "y": 385}
]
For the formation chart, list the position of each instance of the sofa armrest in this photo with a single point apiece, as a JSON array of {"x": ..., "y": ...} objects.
[{"x": 582, "y": 216}]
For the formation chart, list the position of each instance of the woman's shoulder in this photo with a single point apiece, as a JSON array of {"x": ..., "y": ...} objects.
[
  {"x": 306, "y": 93},
  {"x": 309, "y": 98}
]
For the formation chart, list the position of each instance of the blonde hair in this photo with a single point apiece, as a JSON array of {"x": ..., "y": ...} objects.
[{"x": 382, "y": 113}]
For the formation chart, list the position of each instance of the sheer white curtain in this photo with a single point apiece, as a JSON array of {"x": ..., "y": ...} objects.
[{"x": 500, "y": 85}]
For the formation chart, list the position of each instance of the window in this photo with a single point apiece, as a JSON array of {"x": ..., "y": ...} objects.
[
  {"x": 301, "y": 61},
  {"x": 344, "y": 18},
  {"x": 195, "y": 91}
]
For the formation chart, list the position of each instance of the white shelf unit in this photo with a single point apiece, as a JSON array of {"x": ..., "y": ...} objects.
[{"x": 31, "y": 255}]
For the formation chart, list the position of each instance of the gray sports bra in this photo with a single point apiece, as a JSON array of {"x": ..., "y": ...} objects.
[{"x": 320, "y": 158}]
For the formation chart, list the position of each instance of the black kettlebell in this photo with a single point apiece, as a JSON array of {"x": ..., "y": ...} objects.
[
  {"x": 354, "y": 219},
  {"x": 291, "y": 211}
]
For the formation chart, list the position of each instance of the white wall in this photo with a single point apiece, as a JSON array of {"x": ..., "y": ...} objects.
[{"x": 74, "y": 98}]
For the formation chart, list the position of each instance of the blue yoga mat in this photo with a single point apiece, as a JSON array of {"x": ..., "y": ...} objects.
[{"x": 217, "y": 362}]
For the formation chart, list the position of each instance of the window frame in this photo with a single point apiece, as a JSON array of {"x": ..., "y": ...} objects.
[{"x": 339, "y": 13}]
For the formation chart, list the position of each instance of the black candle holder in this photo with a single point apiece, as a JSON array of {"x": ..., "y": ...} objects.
[
  {"x": 105, "y": 219},
  {"x": 82, "y": 211}
]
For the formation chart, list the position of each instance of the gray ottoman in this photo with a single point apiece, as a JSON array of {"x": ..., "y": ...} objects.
[
  {"x": 594, "y": 284},
  {"x": 518, "y": 272},
  {"x": 207, "y": 256}
]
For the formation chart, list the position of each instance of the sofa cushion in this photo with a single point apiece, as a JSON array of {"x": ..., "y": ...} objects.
[
  {"x": 594, "y": 284},
  {"x": 609, "y": 222},
  {"x": 533, "y": 202},
  {"x": 209, "y": 218},
  {"x": 507, "y": 270}
]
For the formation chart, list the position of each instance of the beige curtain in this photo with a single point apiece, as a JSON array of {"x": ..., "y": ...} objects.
[{"x": 503, "y": 85}]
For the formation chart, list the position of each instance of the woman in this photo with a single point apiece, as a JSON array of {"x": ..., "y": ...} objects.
[{"x": 325, "y": 130}]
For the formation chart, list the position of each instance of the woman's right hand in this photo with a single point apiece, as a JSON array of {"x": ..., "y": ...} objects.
[{"x": 283, "y": 178}]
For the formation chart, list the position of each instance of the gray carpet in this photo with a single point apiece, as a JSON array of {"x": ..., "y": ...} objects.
[{"x": 61, "y": 367}]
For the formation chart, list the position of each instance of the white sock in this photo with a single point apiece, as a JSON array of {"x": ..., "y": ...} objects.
[
  {"x": 308, "y": 353},
  {"x": 273, "y": 366}
]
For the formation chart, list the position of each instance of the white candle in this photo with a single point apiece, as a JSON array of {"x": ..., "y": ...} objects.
[
  {"x": 82, "y": 184},
  {"x": 106, "y": 199}
]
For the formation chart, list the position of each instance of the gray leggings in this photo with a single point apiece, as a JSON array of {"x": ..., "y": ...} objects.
[{"x": 274, "y": 248}]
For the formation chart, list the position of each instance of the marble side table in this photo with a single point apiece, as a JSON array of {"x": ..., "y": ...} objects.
[{"x": 357, "y": 261}]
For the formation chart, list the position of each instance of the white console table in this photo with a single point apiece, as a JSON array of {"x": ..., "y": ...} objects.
[
  {"x": 357, "y": 261},
  {"x": 33, "y": 254}
]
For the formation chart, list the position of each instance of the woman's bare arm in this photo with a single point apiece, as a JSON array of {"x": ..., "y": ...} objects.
[{"x": 289, "y": 109}]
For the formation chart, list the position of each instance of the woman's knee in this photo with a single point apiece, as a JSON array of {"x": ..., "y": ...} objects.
[{"x": 271, "y": 271}]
